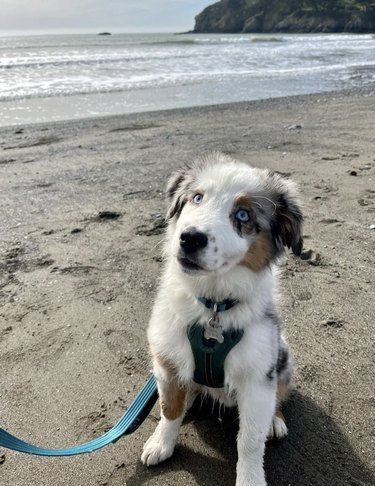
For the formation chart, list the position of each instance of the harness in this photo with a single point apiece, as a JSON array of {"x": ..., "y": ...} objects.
[{"x": 211, "y": 345}]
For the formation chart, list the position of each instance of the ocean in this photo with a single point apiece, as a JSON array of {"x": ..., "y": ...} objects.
[{"x": 58, "y": 77}]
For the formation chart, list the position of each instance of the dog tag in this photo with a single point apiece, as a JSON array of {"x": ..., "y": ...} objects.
[{"x": 213, "y": 332}]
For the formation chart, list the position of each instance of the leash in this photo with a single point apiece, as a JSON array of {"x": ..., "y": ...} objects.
[
  {"x": 210, "y": 346},
  {"x": 129, "y": 422}
]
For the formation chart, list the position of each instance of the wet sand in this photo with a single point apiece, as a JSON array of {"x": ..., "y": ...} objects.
[{"x": 81, "y": 228}]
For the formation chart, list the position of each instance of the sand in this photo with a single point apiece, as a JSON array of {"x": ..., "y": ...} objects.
[{"x": 81, "y": 225}]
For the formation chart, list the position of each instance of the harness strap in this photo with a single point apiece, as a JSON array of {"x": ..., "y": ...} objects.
[
  {"x": 209, "y": 355},
  {"x": 129, "y": 422}
]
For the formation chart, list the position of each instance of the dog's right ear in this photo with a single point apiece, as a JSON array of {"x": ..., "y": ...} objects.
[{"x": 176, "y": 193}]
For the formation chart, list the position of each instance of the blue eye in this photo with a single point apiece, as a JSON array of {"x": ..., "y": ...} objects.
[
  {"x": 242, "y": 215},
  {"x": 197, "y": 199}
]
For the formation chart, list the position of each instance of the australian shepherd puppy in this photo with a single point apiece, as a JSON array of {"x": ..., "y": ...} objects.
[{"x": 227, "y": 225}]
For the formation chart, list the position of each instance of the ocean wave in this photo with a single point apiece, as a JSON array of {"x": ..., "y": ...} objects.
[
  {"x": 267, "y": 39},
  {"x": 177, "y": 42},
  {"x": 238, "y": 40},
  {"x": 125, "y": 42},
  {"x": 212, "y": 39},
  {"x": 5, "y": 64},
  {"x": 356, "y": 72}
]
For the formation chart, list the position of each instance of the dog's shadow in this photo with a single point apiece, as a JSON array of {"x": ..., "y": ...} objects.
[{"x": 314, "y": 453}]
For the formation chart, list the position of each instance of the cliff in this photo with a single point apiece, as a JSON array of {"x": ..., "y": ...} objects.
[{"x": 247, "y": 16}]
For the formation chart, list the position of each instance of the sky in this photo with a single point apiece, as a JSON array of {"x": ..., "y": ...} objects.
[{"x": 100, "y": 15}]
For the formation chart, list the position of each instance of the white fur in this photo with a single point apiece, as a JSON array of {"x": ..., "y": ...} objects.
[{"x": 222, "y": 276}]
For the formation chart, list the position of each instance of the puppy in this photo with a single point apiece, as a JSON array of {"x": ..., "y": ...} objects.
[{"x": 215, "y": 328}]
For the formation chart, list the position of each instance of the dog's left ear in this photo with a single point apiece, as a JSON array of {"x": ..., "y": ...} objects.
[{"x": 287, "y": 219}]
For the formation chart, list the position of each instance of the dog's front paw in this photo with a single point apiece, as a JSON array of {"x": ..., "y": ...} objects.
[
  {"x": 251, "y": 480},
  {"x": 156, "y": 450}
]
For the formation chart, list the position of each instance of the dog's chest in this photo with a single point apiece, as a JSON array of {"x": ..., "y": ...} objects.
[{"x": 176, "y": 309}]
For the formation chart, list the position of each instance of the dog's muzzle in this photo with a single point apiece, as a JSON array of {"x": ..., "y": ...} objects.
[{"x": 192, "y": 241}]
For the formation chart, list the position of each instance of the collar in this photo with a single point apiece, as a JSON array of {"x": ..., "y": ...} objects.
[{"x": 220, "y": 306}]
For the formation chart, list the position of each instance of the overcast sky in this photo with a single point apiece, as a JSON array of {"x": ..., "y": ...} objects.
[{"x": 94, "y": 15}]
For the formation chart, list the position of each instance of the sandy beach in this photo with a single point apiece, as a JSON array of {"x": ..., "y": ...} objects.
[{"x": 81, "y": 227}]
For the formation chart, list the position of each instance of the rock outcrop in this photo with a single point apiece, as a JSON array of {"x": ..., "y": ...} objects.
[{"x": 247, "y": 16}]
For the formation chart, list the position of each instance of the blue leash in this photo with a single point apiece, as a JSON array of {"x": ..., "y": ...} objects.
[{"x": 129, "y": 422}]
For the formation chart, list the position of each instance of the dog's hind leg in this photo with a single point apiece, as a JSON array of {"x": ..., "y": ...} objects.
[
  {"x": 284, "y": 369},
  {"x": 278, "y": 428},
  {"x": 172, "y": 399}
]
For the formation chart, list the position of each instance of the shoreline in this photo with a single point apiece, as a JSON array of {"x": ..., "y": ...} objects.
[
  {"x": 368, "y": 90},
  {"x": 81, "y": 231}
]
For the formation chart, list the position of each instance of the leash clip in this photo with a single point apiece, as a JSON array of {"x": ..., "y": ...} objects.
[{"x": 212, "y": 328}]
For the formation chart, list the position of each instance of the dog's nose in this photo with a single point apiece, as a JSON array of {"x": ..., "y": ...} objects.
[{"x": 193, "y": 240}]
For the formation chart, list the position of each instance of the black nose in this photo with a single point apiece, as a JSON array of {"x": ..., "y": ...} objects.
[{"x": 193, "y": 240}]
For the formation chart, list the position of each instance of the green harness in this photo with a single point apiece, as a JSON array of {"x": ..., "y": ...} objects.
[{"x": 209, "y": 353}]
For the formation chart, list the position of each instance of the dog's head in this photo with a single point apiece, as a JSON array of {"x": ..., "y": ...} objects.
[{"x": 223, "y": 213}]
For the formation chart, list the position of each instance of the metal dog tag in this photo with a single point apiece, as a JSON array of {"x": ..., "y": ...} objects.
[
  {"x": 212, "y": 329},
  {"x": 211, "y": 332}
]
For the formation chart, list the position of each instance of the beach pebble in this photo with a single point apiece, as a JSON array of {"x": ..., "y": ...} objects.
[
  {"x": 105, "y": 215},
  {"x": 353, "y": 172},
  {"x": 2, "y": 459},
  {"x": 365, "y": 167},
  {"x": 372, "y": 226},
  {"x": 329, "y": 157},
  {"x": 350, "y": 155},
  {"x": 295, "y": 127},
  {"x": 335, "y": 323},
  {"x": 311, "y": 257}
]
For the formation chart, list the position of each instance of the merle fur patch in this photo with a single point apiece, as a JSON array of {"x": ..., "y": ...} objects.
[
  {"x": 286, "y": 223},
  {"x": 282, "y": 360},
  {"x": 176, "y": 192}
]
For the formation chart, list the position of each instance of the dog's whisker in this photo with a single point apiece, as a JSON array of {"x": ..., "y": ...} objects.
[{"x": 157, "y": 244}]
